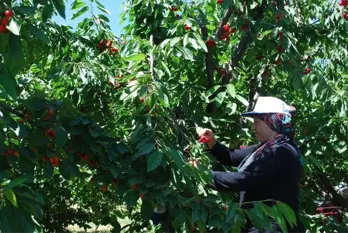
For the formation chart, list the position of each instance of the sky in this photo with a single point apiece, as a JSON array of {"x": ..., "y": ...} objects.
[{"x": 113, "y": 6}]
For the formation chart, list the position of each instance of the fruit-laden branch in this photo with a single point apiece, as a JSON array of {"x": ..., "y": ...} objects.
[
  {"x": 209, "y": 56},
  {"x": 245, "y": 42},
  {"x": 242, "y": 47},
  {"x": 7, "y": 108},
  {"x": 337, "y": 199},
  {"x": 224, "y": 21}
]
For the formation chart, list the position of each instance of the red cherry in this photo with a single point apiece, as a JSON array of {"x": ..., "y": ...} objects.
[
  {"x": 91, "y": 180},
  {"x": 187, "y": 27},
  {"x": 142, "y": 100},
  {"x": 110, "y": 43},
  {"x": 142, "y": 196},
  {"x": 50, "y": 112},
  {"x": 28, "y": 116},
  {"x": 4, "y": 21},
  {"x": 222, "y": 72},
  {"x": 135, "y": 187},
  {"x": 204, "y": 139},
  {"x": 245, "y": 27},
  {"x": 111, "y": 84},
  {"x": 8, "y": 14},
  {"x": 104, "y": 189},
  {"x": 343, "y": 3},
  {"x": 211, "y": 43},
  {"x": 226, "y": 28},
  {"x": 174, "y": 8},
  {"x": 220, "y": 1},
  {"x": 113, "y": 50},
  {"x": 3, "y": 29},
  {"x": 15, "y": 153},
  {"x": 280, "y": 49},
  {"x": 307, "y": 71},
  {"x": 54, "y": 161},
  {"x": 345, "y": 15}
]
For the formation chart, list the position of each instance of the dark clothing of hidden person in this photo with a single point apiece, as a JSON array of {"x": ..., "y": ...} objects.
[{"x": 267, "y": 171}]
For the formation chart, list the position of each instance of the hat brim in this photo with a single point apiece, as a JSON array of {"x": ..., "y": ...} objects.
[{"x": 258, "y": 113}]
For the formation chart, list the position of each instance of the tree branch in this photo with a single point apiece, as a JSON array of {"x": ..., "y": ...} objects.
[
  {"x": 245, "y": 42},
  {"x": 337, "y": 199},
  {"x": 211, "y": 109},
  {"x": 224, "y": 21},
  {"x": 242, "y": 47},
  {"x": 152, "y": 59}
]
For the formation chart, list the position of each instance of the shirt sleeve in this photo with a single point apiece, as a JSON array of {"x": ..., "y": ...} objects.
[
  {"x": 262, "y": 171},
  {"x": 231, "y": 157}
]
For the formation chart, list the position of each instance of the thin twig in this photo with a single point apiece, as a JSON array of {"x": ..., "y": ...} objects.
[{"x": 152, "y": 59}]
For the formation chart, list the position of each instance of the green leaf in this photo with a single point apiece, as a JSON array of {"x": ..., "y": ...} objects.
[
  {"x": 16, "y": 182},
  {"x": 166, "y": 69},
  {"x": 154, "y": 160},
  {"x": 60, "y": 7},
  {"x": 47, "y": 12},
  {"x": 68, "y": 169},
  {"x": 10, "y": 196},
  {"x": 80, "y": 12},
  {"x": 15, "y": 60},
  {"x": 61, "y": 136},
  {"x": 212, "y": 90},
  {"x": 5, "y": 223},
  {"x": 8, "y": 82},
  {"x": 131, "y": 198},
  {"x": 38, "y": 33},
  {"x": 188, "y": 54},
  {"x": 48, "y": 170},
  {"x": 231, "y": 213},
  {"x": 146, "y": 210},
  {"x": 194, "y": 44},
  {"x": 27, "y": 10},
  {"x": 136, "y": 57},
  {"x": 116, "y": 227},
  {"x": 231, "y": 90},
  {"x": 279, "y": 218},
  {"x": 77, "y": 4},
  {"x": 144, "y": 149},
  {"x": 201, "y": 43},
  {"x": 288, "y": 213},
  {"x": 103, "y": 10},
  {"x": 186, "y": 37},
  {"x": 177, "y": 158},
  {"x": 174, "y": 41},
  {"x": 242, "y": 100}
]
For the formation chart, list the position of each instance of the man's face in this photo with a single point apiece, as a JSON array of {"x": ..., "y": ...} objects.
[{"x": 262, "y": 131}]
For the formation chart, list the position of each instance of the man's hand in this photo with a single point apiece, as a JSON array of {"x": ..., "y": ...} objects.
[{"x": 206, "y": 136}]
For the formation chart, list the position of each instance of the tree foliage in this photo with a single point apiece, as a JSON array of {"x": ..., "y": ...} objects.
[{"x": 91, "y": 121}]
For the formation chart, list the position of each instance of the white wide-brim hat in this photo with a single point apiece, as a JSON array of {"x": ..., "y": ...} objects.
[{"x": 268, "y": 104}]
